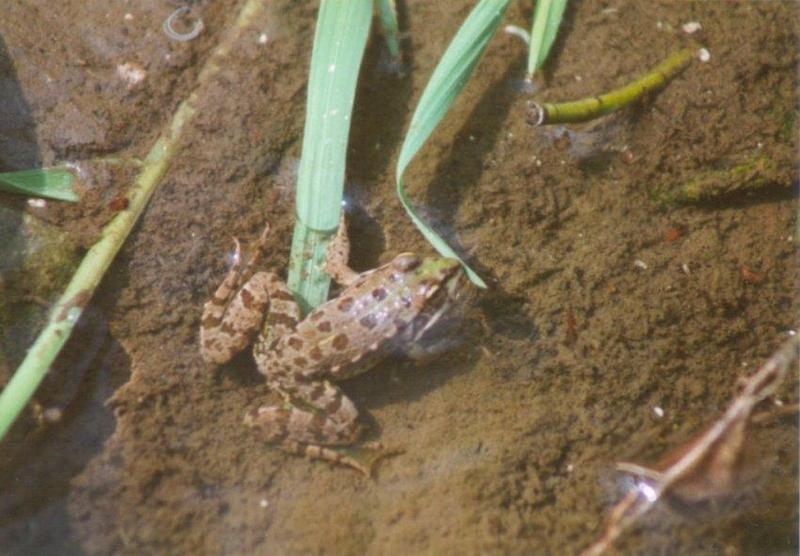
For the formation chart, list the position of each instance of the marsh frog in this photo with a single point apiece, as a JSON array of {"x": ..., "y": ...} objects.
[{"x": 377, "y": 311}]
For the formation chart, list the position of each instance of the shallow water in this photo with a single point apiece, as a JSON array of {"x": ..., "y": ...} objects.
[{"x": 578, "y": 355}]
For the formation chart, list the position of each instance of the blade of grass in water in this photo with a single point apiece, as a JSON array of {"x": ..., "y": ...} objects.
[
  {"x": 387, "y": 12},
  {"x": 341, "y": 35},
  {"x": 546, "y": 20},
  {"x": 52, "y": 183},
  {"x": 449, "y": 77},
  {"x": 68, "y": 309}
]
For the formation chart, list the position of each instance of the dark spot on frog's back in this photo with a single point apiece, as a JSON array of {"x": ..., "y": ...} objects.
[
  {"x": 368, "y": 321},
  {"x": 295, "y": 343},
  {"x": 379, "y": 294},
  {"x": 345, "y": 304},
  {"x": 316, "y": 315},
  {"x": 316, "y": 353},
  {"x": 300, "y": 361},
  {"x": 324, "y": 326},
  {"x": 340, "y": 342}
]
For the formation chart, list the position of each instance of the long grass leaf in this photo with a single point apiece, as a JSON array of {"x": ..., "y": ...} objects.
[
  {"x": 339, "y": 42},
  {"x": 446, "y": 82},
  {"x": 546, "y": 21},
  {"x": 51, "y": 183}
]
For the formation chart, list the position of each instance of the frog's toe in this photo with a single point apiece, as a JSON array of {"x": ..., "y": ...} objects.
[
  {"x": 363, "y": 459},
  {"x": 366, "y": 457}
]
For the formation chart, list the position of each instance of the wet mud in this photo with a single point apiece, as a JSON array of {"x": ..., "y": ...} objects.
[{"x": 614, "y": 327}]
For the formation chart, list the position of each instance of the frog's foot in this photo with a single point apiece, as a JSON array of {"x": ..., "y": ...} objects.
[{"x": 318, "y": 435}]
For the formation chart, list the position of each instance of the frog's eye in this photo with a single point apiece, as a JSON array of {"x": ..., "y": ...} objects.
[{"x": 405, "y": 262}]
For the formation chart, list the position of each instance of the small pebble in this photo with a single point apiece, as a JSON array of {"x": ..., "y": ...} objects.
[
  {"x": 131, "y": 73},
  {"x": 264, "y": 503},
  {"x": 658, "y": 411},
  {"x": 691, "y": 27},
  {"x": 263, "y": 38},
  {"x": 703, "y": 55},
  {"x": 640, "y": 264}
]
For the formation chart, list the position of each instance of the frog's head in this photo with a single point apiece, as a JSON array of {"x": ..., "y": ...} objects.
[{"x": 435, "y": 282}]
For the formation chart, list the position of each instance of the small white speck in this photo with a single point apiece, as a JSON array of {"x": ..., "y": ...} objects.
[
  {"x": 74, "y": 314},
  {"x": 759, "y": 145},
  {"x": 658, "y": 411},
  {"x": 703, "y": 55},
  {"x": 334, "y": 111},
  {"x": 538, "y": 162},
  {"x": 570, "y": 468},
  {"x": 691, "y": 27},
  {"x": 52, "y": 415},
  {"x": 128, "y": 17},
  {"x": 648, "y": 491},
  {"x": 789, "y": 238},
  {"x": 578, "y": 78},
  {"x": 518, "y": 32},
  {"x": 263, "y": 38},
  {"x": 332, "y": 68},
  {"x": 37, "y": 203},
  {"x": 792, "y": 332},
  {"x": 264, "y": 503},
  {"x": 659, "y": 25},
  {"x": 609, "y": 11},
  {"x": 640, "y": 264},
  {"x": 472, "y": 138},
  {"x": 510, "y": 135},
  {"x": 744, "y": 364},
  {"x": 685, "y": 269},
  {"x": 778, "y": 402}
]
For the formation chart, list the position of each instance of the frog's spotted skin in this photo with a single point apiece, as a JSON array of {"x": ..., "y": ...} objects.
[{"x": 393, "y": 304}]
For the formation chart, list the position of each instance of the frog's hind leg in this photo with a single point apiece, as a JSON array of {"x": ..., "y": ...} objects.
[
  {"x": 235, "y": 312},
  {"x": 318, "y": 421}
]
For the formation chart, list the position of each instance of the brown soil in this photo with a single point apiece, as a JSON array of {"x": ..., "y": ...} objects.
[{"x": 510, "y": 442}]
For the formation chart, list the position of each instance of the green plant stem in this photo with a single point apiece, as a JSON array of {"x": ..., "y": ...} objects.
[
  {"x": 757, "y": 172},
  {"x": 79, "y": 291},
  {"x": 594, "y": 107},
  {"x": 339, "y": 42}
]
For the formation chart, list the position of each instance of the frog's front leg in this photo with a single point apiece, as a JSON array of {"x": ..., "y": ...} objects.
[{"x": 235, "y": 312}]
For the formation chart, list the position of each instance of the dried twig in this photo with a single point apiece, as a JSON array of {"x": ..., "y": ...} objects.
[{"x": 708, "y": 466}]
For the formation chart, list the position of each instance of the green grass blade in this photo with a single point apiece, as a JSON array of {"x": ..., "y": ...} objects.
[
  {"x": 339, "y": 42},
  {"x": 52, "y": 183},
  {"x": 546, "y": 20},
  {"x": 387, "y": 13},
  {"x": 449, "y": 77}
]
